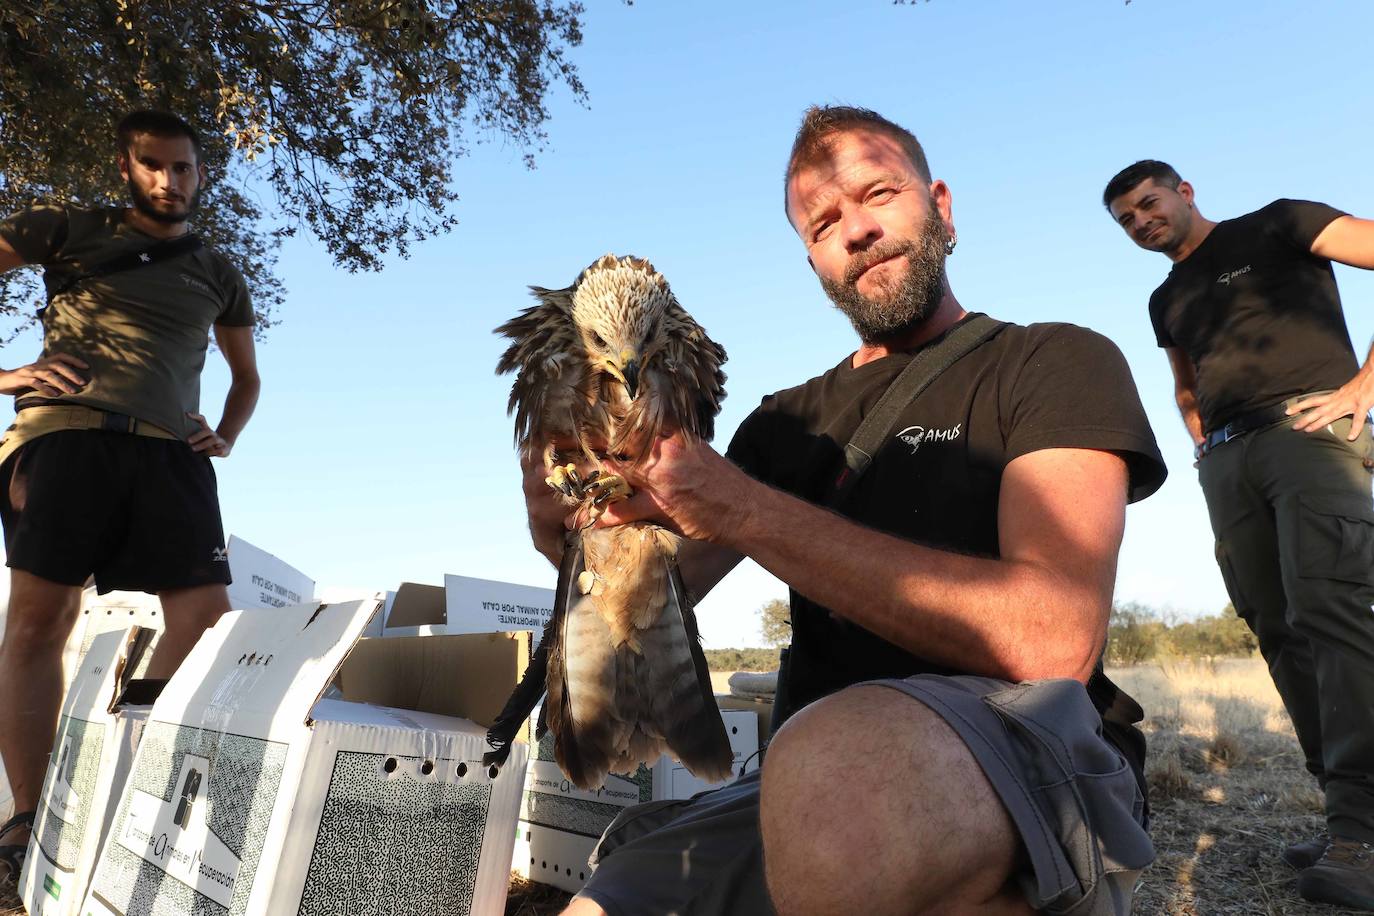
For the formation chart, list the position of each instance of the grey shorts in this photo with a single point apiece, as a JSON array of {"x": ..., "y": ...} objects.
[{"x": 1073, "y": 798}]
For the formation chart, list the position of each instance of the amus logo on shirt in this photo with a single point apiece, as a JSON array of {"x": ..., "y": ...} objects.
[
  {"x": 913, "y": 436},
  {"x": 1226, "y": 278}
]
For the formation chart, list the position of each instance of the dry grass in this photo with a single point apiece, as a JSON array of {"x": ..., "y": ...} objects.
[
  {"x": 1227, "y": 787},
  {"x": 1228, "y": 790}
]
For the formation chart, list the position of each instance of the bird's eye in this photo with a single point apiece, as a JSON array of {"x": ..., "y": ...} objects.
[{"x": 596, "y": 339}]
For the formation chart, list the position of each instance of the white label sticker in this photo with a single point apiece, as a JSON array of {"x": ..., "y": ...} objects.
[{"x": 175, "y": 835}]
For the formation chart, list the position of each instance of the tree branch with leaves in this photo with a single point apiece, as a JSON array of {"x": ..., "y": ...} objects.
[{"x": 343, "y": 117}]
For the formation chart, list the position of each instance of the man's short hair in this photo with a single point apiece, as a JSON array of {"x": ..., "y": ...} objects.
[
  {"x": 821, "y": 123},
  {"x": 1162, "y": 172},
  {"x": 156, "y": 123}
]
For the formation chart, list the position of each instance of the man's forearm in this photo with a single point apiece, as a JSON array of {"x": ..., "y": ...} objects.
[
  {"x": 1001, "y": 618},
  {"x": 239, "y": 404},
  {"x": 1186, "y": 399}
]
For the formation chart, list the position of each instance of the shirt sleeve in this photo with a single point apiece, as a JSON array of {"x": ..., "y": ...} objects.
[
  {"x": 1074, "y": 390},
  {"x": 238, "y": 304},
  {"x": 37, "y": 233},
  {"x": 748, "y": 447},
  {"x": 1299, "y": 222},
  {"x": 1159, "y": 304}
]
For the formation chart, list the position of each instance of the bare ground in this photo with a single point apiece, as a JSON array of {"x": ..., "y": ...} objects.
[{"x": 1226, "y": 782}]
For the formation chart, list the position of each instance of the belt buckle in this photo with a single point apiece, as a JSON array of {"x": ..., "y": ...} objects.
[{"x": 116, "y": 422}]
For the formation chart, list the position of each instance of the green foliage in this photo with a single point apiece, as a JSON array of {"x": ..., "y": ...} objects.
[
  {"x": 776, "y": 622},
  {"x": 742, "y": 659},
  {"x": 1137, "y": 633},
  {"x": 350, "y": 113},
  {"x": 1134, "y": 633}
]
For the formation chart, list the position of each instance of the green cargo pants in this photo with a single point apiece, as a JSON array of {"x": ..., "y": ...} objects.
[{"x": 1294, "y": 528}]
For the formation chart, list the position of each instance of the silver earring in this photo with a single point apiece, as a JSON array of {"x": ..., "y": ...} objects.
[{"x": 950, "y": 243}]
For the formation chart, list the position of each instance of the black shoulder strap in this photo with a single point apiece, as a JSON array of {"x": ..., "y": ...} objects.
[
  {"x": 923, "y": 369},
  {"x": 132, "y": 260}
]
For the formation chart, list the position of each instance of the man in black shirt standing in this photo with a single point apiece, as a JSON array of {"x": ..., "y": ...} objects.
[
  {"x": 944, "y": 755},
  {"x": 1276, "y": 402}
]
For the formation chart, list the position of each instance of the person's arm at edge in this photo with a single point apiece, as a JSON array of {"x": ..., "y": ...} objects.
[
  {"x": 236, "y": 343},
  {"x": 49, "y": 376},
  {"x": 1348, "y": 240},
  {"x": 1185, "y": 391},
  {"x": 1040, "y": 610},
  {"x": 9, "y": 258}
]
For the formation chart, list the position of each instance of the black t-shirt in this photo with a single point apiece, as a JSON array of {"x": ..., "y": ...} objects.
[
  {"x": 936, "y": 480},
  {"x": 1257, "y": 312}
]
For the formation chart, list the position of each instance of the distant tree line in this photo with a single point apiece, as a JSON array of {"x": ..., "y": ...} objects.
[
  {"x": 1137, "y": 633},
  {"x": 742, "y": 659}
]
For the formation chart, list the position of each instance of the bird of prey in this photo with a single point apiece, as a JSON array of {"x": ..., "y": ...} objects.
[{"x": 603, "y": 368}]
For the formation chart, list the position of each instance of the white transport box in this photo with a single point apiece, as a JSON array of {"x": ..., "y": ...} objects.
[
  {"x": 249, "y": 795},
  {"x": 96, "y": 738},
  {"x": 560, "y": 823}
]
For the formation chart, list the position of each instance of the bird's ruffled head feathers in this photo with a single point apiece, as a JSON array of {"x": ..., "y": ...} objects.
[{"x": 618, "y": 307}]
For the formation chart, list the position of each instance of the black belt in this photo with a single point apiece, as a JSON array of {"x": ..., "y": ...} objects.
[{"x": 1245, "y": 423}]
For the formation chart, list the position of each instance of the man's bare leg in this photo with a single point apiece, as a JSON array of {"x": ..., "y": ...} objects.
[
  {"x": 187, "y": 613},
  {"x": 40, "y": 619},
  {"x": 871, "y": 800}
]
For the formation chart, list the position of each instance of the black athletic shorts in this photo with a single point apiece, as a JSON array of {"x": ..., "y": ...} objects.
[{"x": 141, "y": 514}]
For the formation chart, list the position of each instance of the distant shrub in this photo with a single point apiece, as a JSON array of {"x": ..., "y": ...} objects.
[{"x": 1133, "y": 634}]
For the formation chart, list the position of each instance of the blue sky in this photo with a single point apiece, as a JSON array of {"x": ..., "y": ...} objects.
[{"x": 381, "y": 451}]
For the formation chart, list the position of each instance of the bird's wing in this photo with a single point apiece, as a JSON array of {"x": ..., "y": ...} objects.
[
  {"x": 696, "y": 382},
  {"x": 546, "y": 356}
]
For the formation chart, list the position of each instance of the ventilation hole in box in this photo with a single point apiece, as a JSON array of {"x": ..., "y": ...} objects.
[
  {"x": 427, "y": 767},
  {"x": 582, "y": 876},
  {"x": 544, "y": 865},
  {"x": 131, "y": 613},
  {"x": 492, "y": 771},
  {"x": 390, "y": 765},
  {"x": 462, "y": 770},
  {"x": 570, "y": 873},
  {"x": 243, "y": 658},
  {"x": 253, "y": 659},
  {"x": 734, "y": 729}
]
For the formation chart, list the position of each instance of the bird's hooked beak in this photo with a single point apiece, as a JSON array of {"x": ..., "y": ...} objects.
[{"x": 629, "y": 372}]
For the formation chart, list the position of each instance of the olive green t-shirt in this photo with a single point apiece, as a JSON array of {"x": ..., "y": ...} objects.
[{"x": 143, "y": 332}]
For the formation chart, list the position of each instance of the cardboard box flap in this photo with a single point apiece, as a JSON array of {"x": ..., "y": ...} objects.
[
  {"x": 367, "y": 715},
  {"x": 467, "y": 677},
  {"x": 264, "y": 581},
  {"x": 107, "y": 665},
  {"x": 484, "y": 605},
  {"x": 417, "y": 605},
  {"x": 263, "y": 670}
]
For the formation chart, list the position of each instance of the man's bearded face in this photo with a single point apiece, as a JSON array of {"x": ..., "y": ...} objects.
[
  {"x": 899, "y": 306},
  {"x": 143, "y": 203}
]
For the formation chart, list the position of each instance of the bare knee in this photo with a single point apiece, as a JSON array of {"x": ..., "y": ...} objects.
[
  {"x": 41, "y": 615},
  {"x": 869, "y": 788}
]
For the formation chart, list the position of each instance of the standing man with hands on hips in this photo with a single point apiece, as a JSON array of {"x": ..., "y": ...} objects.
[
  {"x": 106, "y": 468},
  {"x": 1276, "y": 403}
]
